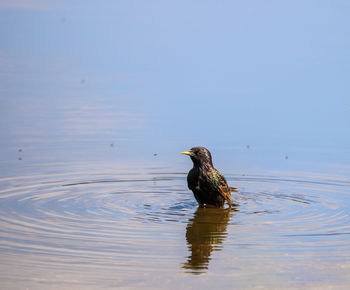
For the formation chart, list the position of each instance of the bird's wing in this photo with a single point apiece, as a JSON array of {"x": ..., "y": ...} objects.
[
  {"x": 223, "y": 188},
  {"x": 225, "y": 193}
]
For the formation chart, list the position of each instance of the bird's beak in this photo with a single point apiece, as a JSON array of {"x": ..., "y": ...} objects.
[{"x": 187, "y": 153}]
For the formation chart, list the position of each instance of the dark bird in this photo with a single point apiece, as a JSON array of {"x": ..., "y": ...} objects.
[{"x": 208, "y": 185}]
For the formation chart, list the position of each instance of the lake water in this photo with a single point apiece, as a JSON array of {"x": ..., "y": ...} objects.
[
  {"x": 97, "y": 102},
  {"x": 137, "y": 227}
]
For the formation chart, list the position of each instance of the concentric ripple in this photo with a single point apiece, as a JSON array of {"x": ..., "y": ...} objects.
[
  {"x": 89, "y": 225},
  {"x": 67, "y": 214}
]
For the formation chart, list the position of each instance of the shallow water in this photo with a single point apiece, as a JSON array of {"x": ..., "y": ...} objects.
[{"x": 102, "y": 229}]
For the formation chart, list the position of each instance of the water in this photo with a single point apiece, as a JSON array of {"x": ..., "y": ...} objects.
[
  {"x": 134, "y": 228},
  {"x": 98, "y": 100}
]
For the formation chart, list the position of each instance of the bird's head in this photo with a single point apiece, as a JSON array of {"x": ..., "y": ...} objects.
[{"x": 199, "y": 155}]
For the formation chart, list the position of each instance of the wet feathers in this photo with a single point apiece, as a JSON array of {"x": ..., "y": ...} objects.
[{"x": 208, "y": 185}]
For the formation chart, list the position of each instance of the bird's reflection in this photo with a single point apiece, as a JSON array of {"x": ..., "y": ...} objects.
[{"x": 205, "y": 233}]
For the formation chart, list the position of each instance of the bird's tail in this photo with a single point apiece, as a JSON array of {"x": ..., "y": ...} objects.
[{"x": 232, "y": 189}]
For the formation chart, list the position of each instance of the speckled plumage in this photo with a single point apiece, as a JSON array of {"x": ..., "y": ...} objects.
[{"x": 208, "y": 185}]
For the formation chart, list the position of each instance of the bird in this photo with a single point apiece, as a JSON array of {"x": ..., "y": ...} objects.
[{"x": 208, "y": 185}]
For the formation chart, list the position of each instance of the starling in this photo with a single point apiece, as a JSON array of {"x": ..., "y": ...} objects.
[{"x": 208, "y": 185}]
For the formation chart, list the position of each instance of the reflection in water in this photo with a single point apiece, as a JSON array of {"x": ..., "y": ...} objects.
[{"x": 205, "y": 232}]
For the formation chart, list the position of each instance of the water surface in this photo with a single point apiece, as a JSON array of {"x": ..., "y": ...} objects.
[
  {"x": 97, "y": 100},
  {"x": 142, "y": 227}
]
